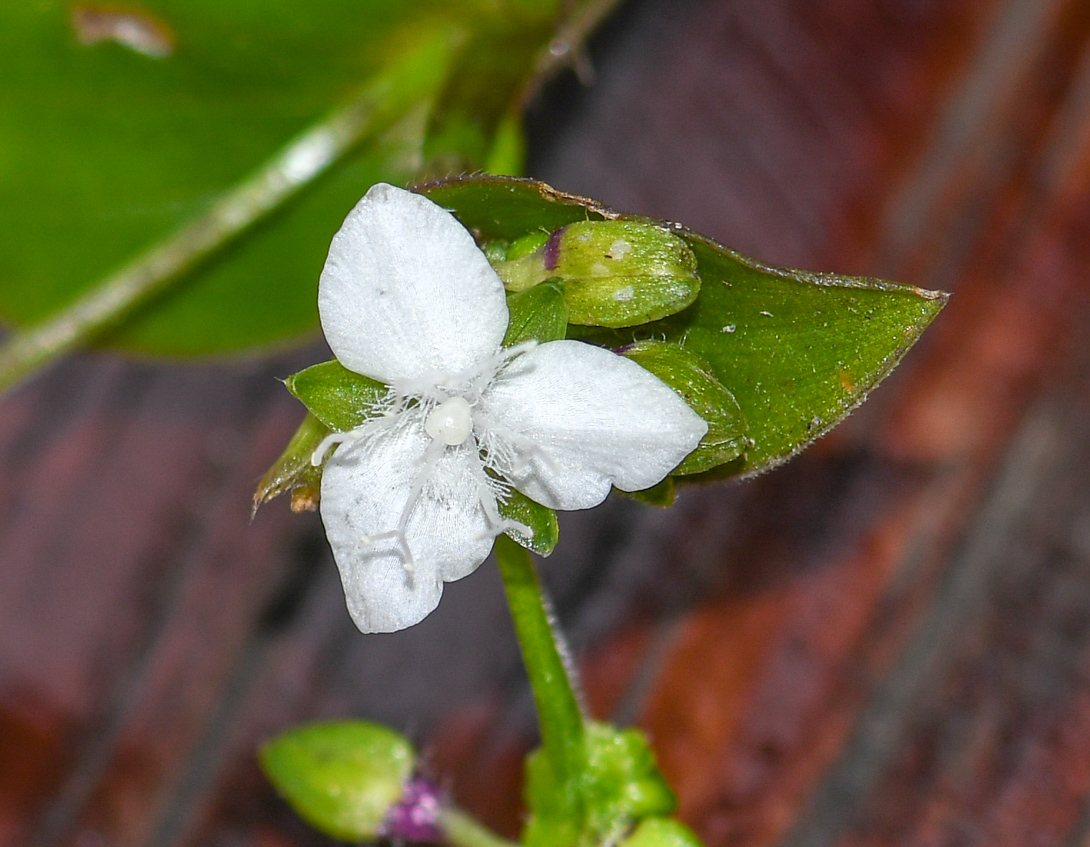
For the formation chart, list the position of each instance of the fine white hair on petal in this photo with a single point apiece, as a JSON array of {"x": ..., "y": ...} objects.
[
  {"x": 366, "y": 487},
  {"x": 406, "y": 292},
  {"x": 579, "y": 419}
]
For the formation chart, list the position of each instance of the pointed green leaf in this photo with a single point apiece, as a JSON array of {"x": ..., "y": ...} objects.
[
  {"x": 341, "y": 777},
  {"x": 797, "y": 350}
]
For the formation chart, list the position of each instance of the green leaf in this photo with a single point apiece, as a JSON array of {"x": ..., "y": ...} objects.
[
  {"x": 797, "y": 350},
  {"x": 293, "y": 471},
  {"x": 341, "y": 399},
  {"x": 341, "y": 777},
  {"x": 105, "y": 150},
  {"x": 537, "y": 314},
  {"x": 691, "y": 377}
]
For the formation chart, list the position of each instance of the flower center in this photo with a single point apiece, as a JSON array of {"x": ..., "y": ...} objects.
[{"x": 450, "y": 422}]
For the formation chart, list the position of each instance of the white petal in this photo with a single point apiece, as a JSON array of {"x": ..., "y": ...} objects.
[
  {"x": 406, "y": 292},
  {"x": 580, "y": 418},
  {"x": 365, "y": 487}
]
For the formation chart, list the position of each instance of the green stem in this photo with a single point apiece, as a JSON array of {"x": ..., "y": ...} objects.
[
  {"x": 415, "y": 78},
  {"x": 558, "y": 708},
  {"x": 463, "y": 831}
]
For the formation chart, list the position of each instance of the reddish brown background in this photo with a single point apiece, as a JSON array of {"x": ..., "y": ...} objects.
[{"x": 886, "y": 642}]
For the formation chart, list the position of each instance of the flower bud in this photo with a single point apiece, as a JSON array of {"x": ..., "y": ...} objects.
[
  {"x": 615, "y": 273},
  {"x": 351, "y": 780},
  {"x": 661, "y": 832},
  {"x": 692, "y": 378}
]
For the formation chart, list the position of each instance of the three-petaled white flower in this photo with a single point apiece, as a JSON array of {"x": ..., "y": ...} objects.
[{"x": 410, "y": 499}]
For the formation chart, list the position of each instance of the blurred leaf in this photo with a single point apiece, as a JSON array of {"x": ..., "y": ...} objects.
[
  {"x": 342, "y": 777},
  {"x": 798, "y": 351},
  {"x": 105, "y": 150}
]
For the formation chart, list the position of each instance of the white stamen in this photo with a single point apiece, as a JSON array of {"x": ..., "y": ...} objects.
[
  {"x": 450, "y": 422},
  {"x": 318, "y": 456}
]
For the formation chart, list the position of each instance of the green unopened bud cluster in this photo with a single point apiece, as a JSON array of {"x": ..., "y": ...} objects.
[
  {"x": 613, "y": 273},
  {"x": 619, "y": 787}
]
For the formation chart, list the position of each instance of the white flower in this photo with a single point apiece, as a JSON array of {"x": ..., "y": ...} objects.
[{"x": 410, "y": 499}]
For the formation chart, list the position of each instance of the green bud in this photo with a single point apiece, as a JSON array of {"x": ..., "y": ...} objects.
[
  {"x": 343, "y": 778},
  {"x": 615, "y": 273},
  {"x": 628, "y": 782},
  {"x": 662, "y": 832},
  {"x": 526, "y": 245},
  {"x": 620, "y": 785},
  {"x": 692, "y": 378}
]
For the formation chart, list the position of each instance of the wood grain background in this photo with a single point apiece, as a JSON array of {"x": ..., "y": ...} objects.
[{"x": 886, "y": 642}]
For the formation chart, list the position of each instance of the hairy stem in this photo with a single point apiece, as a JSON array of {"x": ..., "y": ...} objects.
[{"x": 558, "y": 709}]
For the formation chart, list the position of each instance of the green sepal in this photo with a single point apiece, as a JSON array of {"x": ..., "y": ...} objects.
[
  {"x": 540, "y": 519},
  {"x": 619, "y": 786},
  {"x": 660, "y": 496},
  {"x": 662, "y": 832},
  {"x": 342, "y": 777},
  {"x": 616, "y": 273},
  {"x": 692, "y": 378},
  {"x": 293, "y": 471},
  {"x": 338, "y": 397},
  {"x": 537, "y": 314}
]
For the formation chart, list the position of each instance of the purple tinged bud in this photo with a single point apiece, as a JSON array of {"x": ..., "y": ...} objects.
[
  {"x": 415, "y": 817},
  {"x": 552, "y": 249}
]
